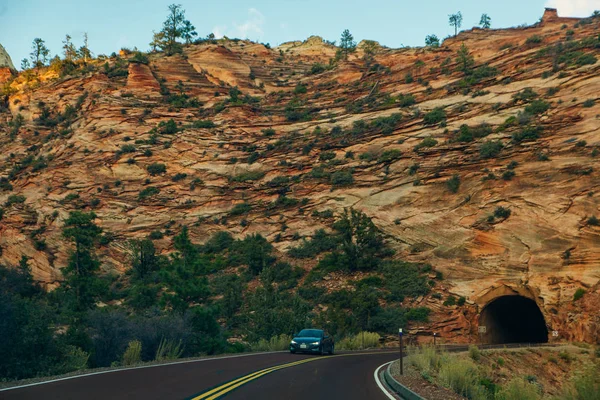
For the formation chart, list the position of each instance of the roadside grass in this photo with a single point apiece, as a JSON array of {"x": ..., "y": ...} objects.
[
  {"x": 360, "y": 341},
  {"x": 469, "y": 376},
  {"x": 276, "y": 343}
]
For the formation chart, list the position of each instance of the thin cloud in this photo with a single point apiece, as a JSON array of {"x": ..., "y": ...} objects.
[
  {"x": 251, "y": 28},
  {"x": 574, "y": 8}
]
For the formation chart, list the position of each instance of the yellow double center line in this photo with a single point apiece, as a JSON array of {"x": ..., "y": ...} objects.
[
  {"x": 229, "y": 386},
  {"x": 232, "y": 385}
]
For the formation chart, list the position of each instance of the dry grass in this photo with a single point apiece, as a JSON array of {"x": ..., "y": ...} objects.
[
  {"x": 362, "y": 340},
  {"x": 133, "y": 353},
  {"x": 276, "y": 343}
]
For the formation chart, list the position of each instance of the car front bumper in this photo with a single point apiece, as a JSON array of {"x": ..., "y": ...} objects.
[{"x": 298, "y": 348}]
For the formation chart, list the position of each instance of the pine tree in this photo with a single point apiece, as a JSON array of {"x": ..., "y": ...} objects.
[
  {"x": 84, "y": 51},
  {"x": 40, "y": 54},
  {"x": 347, "y": 45},
  {"x": 486, "y": 21},
  {"x": 174, "y": 27},
  {"x": 80, "y": 273},
  {"x": 455, "y": 20},
  {"x": 432, "y": 41},
  {"x": 69, "y": 49},
  {"x": 369, "y": 50},
  {"x": 464, "y": 59}
]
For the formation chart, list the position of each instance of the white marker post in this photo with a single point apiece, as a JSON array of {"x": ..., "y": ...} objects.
[{"x": 401, "y": 352}]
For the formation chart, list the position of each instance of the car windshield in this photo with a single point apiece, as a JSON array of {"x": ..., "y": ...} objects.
[{"x": 310, "y": 333}]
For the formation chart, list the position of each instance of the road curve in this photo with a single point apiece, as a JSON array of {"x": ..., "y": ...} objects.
[{"x": 262, "y": 376}]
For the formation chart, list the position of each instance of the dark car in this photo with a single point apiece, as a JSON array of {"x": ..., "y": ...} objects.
[{"x": 315, "y": 341}]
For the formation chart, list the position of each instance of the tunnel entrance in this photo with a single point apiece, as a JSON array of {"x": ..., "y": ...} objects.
[{"x": 513, "y": 319}]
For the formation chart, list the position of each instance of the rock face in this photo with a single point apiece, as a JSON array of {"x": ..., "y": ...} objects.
[
  {"x": 519, "y": 219},
  {"x": 5, "y": 60},
  {"x": 6, "y": 65}
]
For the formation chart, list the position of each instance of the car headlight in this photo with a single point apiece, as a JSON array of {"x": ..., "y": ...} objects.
[
  {"x": 315, "y": 343},
  {"x": 294, "y": 342}
]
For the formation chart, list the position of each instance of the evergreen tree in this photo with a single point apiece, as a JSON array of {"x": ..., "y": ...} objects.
[
  {"x": 188, "y": 32},
  {"x": 174, "y": 27},
  {"x": 485, "y": 22},
  {"x": 369, "y": 49},
  {"x": 464, "y": 59},
  {"x": 80, "y": 274},
  {"x": 432, "y": 41},
  {"x": 69, "y": 49},
  {"x": 347, "y": 45},
  {"x": 40, "y": 54},
  {"x": 144, "y": 260},
  {"x": 84, "y": 51},
  {"x": 361, "y": 241},
  {"x": 25, "y": 64},
  {"x": 455, "y": 20}
]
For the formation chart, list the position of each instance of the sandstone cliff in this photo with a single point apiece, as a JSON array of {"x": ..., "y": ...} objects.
[{"x": 544, "y": 169}]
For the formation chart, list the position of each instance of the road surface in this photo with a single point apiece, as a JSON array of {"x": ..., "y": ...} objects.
[{"x": 346, "y": 376}]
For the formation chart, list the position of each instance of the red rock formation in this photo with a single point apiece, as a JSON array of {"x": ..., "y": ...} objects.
[
  {"x": 141, "y": 81},
  {"x": 5, "y": 74},
  {"x": 545, "y": 249}
]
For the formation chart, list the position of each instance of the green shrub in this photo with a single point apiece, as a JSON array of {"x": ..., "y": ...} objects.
[
  {"x": 453, "y": 184},
  {"x": 537, "y": 107},
  {"x": 168, "y": 128},
  {"x": 578, "y": 294},
  {"x": 490, "y": 149},
  {"x": 406, "y": 100},
  {"x": 508, "y": 175},
  {"x": 206, "y": 124},
  {"x": 532, "y": 40},
  {"x": 300, "y": 89},
  {"x": 593, "y": 221},
  {"x": 240, "y": 209},
  {"x": 462, "y": 377},
  {"x": 156, "y": 235},
  {"x": 327, "y": 155},
  {"x": 583, "y": 385},
  {"x": 275, "y": 343},
  {"x": 269, "y": 132},
  {"x": 148, "y": 192},
  {"x": 519, "y": 388},
  {"x": 169, "y": 349},
  {"x": 450, "y": 301},
  {"x": 461, "y": 301},
  {"x": 426, "y": 143},
  {"x": 529, "y": 133},
  {"x": 342, "y": 178},
  {"x": 589, "y": 103},
  {"x": 319, "y": 243},
  {"x": 389, "y": 156},
  {"x": 247, "y": 176},
  {"x": 501, "y": 212},
  {"x": 133, "y": 353},
  {"x": 362, "y": 340},
  {"x": 156, "y": 169},
  {"x": 435, "y": 116},
  {"x": 14, "y": 199},
  {"x": 418, "y": 314},
  {"x": 474, "y": 353},
  {"x": 525, "y": 95},
  {"x": 317, "y": 68}
]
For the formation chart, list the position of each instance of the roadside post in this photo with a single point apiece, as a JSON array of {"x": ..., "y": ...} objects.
[
  {"x": 434, "y": 335},
  {"x": 401, "y": 353}
]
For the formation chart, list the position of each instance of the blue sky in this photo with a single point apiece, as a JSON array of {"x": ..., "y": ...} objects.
[{"x": 112, "y": 24}]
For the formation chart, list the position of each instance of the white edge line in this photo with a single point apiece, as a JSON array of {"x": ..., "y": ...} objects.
[
  {"x": 140, "y": 367},
  {"x": 378, "y": 381}
]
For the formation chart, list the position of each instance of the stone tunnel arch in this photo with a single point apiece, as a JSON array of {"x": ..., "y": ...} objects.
[{"x": 513, "y": 319}]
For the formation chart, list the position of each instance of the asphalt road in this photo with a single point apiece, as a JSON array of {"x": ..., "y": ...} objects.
[{"x": 264, "y": 376}]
